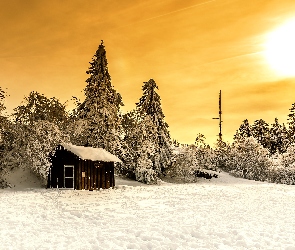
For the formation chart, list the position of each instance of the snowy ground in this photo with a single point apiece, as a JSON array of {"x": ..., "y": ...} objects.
[{"x": 224, "y": 213}]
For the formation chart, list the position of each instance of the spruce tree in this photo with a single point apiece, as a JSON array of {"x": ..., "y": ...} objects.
[
  {"x": 2, "y": 97},
  {"x": 260, "y": 131},
  {"x": 278, "y": 138},
  {"x": 3, "y": 119},
  {"x": 291, "y": 124},
  {"x": 101, "y": 107},
  {"x": 149, "y": 106},
  {"x": 244, "y": 131}
]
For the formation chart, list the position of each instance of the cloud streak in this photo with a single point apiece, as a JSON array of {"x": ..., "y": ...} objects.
[{"x": 169, "y": 13}]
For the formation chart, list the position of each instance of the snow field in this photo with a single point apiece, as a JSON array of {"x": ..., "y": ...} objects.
[{"x": 223, "y": 213}]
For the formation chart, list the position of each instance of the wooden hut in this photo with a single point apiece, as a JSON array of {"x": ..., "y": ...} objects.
[{"x": 77, "y": 167}]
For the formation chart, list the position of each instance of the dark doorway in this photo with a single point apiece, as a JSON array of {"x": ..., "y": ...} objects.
[{"x": 69, "y": 176}]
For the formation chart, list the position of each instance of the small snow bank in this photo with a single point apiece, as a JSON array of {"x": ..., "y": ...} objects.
[
  {"x": 89, "y": 153},
  {"x": 225, "y": 178},
  {"x": 21, "y": 179},
  {"x": 121, "y": 182}
]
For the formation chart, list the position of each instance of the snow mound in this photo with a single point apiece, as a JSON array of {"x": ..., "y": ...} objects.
[{"x": 21, "y": 178}]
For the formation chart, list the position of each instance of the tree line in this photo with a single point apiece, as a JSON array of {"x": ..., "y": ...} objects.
[{"x": 140, "y": 137}]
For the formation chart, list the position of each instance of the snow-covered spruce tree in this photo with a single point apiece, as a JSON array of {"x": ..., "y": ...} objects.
[
  {"x": 37, "y": 130},
  {"x": 144, "y": 171},
  {"x": 2, "y": 118},
  {"x": 260, "y": 131},
  {"x": 2, "y": 97},
  {"x": 278, "y": 142},
  {"x": 205, "y": 155},
  {"x": 291, "y": 124},
  {"x": 221, "y": 155},
  {"x": 149, "y": 106},
  {"x": 100, "y": 111},
  {"x": 244, "y": 131}
]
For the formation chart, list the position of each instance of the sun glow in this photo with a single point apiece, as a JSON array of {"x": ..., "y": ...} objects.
[{"x": 280, "y": 49}]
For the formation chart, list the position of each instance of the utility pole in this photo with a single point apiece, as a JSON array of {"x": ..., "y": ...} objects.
[{"x": 219, "y": 118}]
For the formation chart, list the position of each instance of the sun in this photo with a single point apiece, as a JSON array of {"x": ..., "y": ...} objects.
[{"x": 280, "y": 49}]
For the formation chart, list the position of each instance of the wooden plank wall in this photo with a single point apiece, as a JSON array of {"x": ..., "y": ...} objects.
[
  {"x": 112, "y": 174},
  {"x": 98, "y": 171},
  {"x": 107, "y": 172},
  {"x": 101, "y": 176}
]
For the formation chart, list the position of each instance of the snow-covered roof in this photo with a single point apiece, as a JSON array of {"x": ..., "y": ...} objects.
[{"x": 89, "y": 153}]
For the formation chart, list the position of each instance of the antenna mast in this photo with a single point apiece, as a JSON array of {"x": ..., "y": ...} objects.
[{"x": 219, "y": 118}]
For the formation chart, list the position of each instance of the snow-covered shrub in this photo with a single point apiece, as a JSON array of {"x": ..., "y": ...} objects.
[
  {"x": 144, "y": 169},
  {"x": 30, "y": 146},
  {"x": 184, "y": 163},
  {"x": 206, "y": 158},
  {"x": 11, "y": 151},
  {"x": 248, "y": 159},
  {"x": 144, "y": 172},
  {"x": 221, "y": 156},
  {"x": 288, "y": 158},
  {"x": 146, "y": 175},
  {"x": 191, "y": 161},
  {"x": 283, "y": 167},
  {"x": 282, "y": 175},
  {"x": 205, "y": 155},
  {"x": 43, "y": 139}
]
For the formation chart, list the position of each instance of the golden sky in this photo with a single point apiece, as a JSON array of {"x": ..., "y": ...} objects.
[{"x": 192, "y": 49}]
